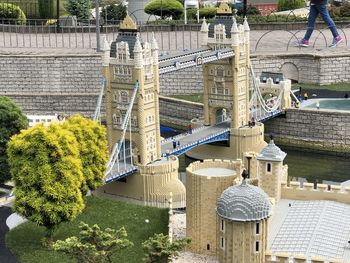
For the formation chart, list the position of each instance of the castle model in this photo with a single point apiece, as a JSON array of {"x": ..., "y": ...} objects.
[{"x": 260, "y": 218}]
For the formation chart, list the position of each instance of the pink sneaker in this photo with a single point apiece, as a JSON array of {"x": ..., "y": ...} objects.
[
  {"x": 302, "y": 43},
  {"x": 336, "y": 41}
]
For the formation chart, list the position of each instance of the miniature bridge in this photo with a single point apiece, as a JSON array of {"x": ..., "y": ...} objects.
[
  {"x": 198, "y": 136},
  {"x": 121, "y": 164}
]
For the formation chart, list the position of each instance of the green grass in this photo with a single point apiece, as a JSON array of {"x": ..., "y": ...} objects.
[
  {"x": 335, "y": 87},
  {"x": 24, "y": 240},
  {"x": 192, "y": 97}
]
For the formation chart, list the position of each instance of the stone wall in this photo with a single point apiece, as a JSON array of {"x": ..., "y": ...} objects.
[
  {"x": 46, "y": 85},
  {"x": 178, "y": 112},
  {"x": 70, "y": 83},
  {"x": 314, "y": 68},
  {"x": 315, "y": 129}
]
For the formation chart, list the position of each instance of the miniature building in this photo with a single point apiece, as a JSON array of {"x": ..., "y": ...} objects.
[
  {"x": 212, "y": 177},
  {"x": 271, "y": 170},
  {"x": 243, "y": 211}
]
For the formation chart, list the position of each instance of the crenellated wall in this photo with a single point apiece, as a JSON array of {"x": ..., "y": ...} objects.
[{"x": 321, "y": 192}]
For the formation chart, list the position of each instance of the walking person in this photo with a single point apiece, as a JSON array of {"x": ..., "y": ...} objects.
[{"x": 319, "y": 7}]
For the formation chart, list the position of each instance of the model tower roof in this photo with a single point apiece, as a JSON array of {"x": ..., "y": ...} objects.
[
  {"x": 271, "y": 153},
  {"x": 244, "y": 203}
]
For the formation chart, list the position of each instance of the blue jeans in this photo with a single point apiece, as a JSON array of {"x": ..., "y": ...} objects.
[{"x": 323, "y": 11}]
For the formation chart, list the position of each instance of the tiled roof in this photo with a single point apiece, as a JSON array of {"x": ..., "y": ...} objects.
[{"x": 128, "y": 37}]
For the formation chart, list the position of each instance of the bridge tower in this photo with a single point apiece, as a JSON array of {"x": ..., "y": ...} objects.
[
  {"x": 226, "y": 86},
  {"x": 128, "y": 62}
]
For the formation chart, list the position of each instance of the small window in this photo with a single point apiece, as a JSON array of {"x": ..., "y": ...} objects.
[
  {"x": 257, "y": 228},
  {"x": 208, "y": 246},
  {"x": 257, "y": 246},
  {"x": 268, "y": 167},
  {"x": 222, "y": 243},
  {"x": 222, "y": 225}
]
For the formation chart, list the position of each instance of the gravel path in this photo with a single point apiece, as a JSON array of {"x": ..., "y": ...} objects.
[{"x": 179, "y": 224}]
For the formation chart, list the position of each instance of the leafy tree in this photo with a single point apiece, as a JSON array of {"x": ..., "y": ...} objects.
[
  {"x": 159, "y": 248},
  {"x": 12, "y": 120},
  {"x": 93, "y": 245},
  {"x": 79, "y": 8},
  {"x": 92, "y": 149},
  {"x": 165, "y": 8},
  {"x": 290, "y": 4},
  {"x": 114, "y": 12},
  {"x": 45, "y": 166}
]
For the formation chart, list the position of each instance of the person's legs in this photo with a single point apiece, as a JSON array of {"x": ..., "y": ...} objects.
[
  {"x": 323, "y": 10},
  {"x": 311, "y": 21}
]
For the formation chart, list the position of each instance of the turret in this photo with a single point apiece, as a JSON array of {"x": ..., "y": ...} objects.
[
  {"x": 234, "y": 34},
  {"x": 204, "y": 33},
  {"x": 155, "y": 48},
  {"x": 138, "y": 53},
  {"x": 106, "y": 53},
  {"x": 270, "y": 169},
  {"x": 246, "y": 31}
]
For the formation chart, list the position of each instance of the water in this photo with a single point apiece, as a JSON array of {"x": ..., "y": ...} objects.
[{"x": 335, "y": 104}]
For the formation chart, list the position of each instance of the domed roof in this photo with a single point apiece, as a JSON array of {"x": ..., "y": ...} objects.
[
  {"x": 271, "y": 153},
  {"x": 244, "y": 202}
]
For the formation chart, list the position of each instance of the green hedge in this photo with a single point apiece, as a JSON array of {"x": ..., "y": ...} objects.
[
  {"x": 165, "y": 8},
  {"x": 10, "y": 11},
  {"x": 290, "y": 4}
]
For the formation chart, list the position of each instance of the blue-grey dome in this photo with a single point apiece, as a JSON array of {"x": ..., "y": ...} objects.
[{"x": 244, "y": 202}]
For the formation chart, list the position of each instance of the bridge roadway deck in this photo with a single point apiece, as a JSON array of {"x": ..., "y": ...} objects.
[
  {"x": 187, "y": 140},
  {"x": 190, "y": 140}
]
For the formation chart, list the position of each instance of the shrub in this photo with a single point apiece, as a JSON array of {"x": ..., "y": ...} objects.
[
  {"x": 251, "y": 10},
  {"x": 47, "y": 8},
  {"x": 207, "y": 12},
  {"x": 11, "y": 11},
  {"x": 79, "y": 8},
  {"x": 165, "y": 8},
  {"x": 114, "y": 12},
  {"x": 290, "y": 4},
  {"x": 12, "y": 121}
]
